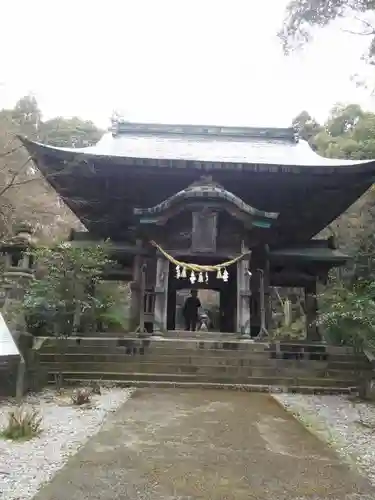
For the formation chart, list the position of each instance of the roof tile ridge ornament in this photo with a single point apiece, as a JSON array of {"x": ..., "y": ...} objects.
[
  {"x": 120, "y": 126},
  {"x": 116, "y": 120},
  {"x": 296, "y": 134}
]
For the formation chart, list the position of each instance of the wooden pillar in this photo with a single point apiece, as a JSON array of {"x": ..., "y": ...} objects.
[
  {"x": 267, "y": 290},
  {"x": 254, "y": 294},
  {"x": 135, "y": 301},
  {"x": 243, "y": 298},
  {"x": 311, "y": 307},
  {"x": 161, "y": 295},
  {"x": 260, "y": 292},
  {"x": 135, "y": 287}
]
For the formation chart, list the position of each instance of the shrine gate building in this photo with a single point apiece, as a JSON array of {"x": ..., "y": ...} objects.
[{"x": 172, "y": 199}]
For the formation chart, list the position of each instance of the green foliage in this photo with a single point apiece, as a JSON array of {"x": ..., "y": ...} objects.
[
  {"x": 348, "y": 133},
  {"x": 26, "y": 115},
  {"x": 26, "y": 118},
  {"x": 113, "y": 299},
  {"x": 22, "y": 424},
  {"x": 348, "y": 303},
  {"x": 69, "y": 132},
  {"x": 306, "y": 125},
  {"x": 295, "y": 331},
  {"x": 348, "y": 314},
  {"x": 111, "y": 318},
  {"x": 63, "y": 290}
]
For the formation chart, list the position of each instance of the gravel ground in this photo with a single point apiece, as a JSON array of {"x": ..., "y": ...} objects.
[
  {"x": 26, "y": 466},
  {"x": 345, "y": 424}
]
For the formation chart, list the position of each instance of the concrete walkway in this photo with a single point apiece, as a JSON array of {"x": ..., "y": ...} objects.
[{"x": 211, "y": 445}]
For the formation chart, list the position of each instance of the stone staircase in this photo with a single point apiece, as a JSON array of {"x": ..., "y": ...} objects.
[{"x": 206, "y": 362}]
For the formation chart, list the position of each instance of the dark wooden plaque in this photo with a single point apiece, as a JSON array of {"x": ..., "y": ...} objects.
[{"x": 204, "y": 231}]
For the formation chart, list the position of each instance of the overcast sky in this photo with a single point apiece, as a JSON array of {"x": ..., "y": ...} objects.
[{"x": 185, "y": 61}]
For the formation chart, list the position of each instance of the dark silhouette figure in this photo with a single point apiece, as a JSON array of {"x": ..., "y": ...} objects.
[{"x": 190, "y": 311}]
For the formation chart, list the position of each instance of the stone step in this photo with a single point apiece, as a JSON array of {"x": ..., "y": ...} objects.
[
  {"x": 218, "y": 336},
  {"x": 312, "y": 347},
  {"x": 201, "y": 360},
  {"x": 160, "y": 343},
  {"x": 210, "y": 385},
  {"x": 204, "y": 361},
  {"x": 176, "y": 334},
  {"x": 159, "y": 350},
  {"x": 188, "y": 357},
  {"x": 358, "y": 366},
  {"x": 201, "y": 335},
  {"x": 113, "y": 346},
  {"x": 209, "y": 370},
  {"x": 172, "y": 342},
  {"x": 224, "y": 379},
  {"x": 163, "y": 355}
]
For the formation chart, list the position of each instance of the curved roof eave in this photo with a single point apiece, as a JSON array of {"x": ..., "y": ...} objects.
[
  {"x": 205, "y": 191},
  {"x": 271, "y": 152}
]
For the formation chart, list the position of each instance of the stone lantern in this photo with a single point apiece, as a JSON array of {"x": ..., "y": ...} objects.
[
  {"x": 16, "y": 250},
  {"x": 18, "y": 366},
  {"x": 18, "y": 271}
]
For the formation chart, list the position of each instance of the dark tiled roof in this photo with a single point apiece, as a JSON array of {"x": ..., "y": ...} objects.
[
  {"x": 208, "y": 144},
  {"x": 140, "y": 166}
]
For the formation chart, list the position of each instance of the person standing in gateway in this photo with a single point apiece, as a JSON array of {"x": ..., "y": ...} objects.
[{"x": 190, "y": 311}]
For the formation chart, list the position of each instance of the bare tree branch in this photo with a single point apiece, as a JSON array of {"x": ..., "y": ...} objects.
[
  {"x": 25, "y": 181},
  {"x": 369, "y": 33},
  {"x": 14, "y": 177},
  {"x": 366, "y": 23},
  {"x": 7, "y": 153}
]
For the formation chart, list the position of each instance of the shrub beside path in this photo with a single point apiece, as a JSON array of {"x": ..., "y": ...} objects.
[{"x": 199, "y": 444}]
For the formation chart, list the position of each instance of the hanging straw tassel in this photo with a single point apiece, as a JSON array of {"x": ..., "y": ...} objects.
[
  {"x": 183, "y": 273},
  {"x": 219, "y": 275}
]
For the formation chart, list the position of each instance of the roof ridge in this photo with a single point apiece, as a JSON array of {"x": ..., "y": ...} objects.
[{"x": 122, "y": 127}]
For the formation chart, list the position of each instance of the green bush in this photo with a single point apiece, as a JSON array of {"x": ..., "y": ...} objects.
[
  {"x": 348, "y": 314},
  {"x": 295, "y": 331},
  {"x": 63, "y": 291}
]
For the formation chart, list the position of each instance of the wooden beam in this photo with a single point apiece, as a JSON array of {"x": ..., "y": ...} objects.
[
  {"x": 118, "y": 249},
  {"x": 311, "y": 308},
  {"x": 125, "y": 274}
]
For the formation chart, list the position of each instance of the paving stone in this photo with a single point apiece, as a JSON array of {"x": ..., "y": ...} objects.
[{"x": 217, "y": 445}]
